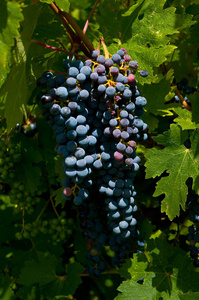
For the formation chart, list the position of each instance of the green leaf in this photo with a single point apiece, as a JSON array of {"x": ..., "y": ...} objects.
[
  {"x": 10, "y": 18},
  {"x": 155, "y": 94},
  {"x": 58, "y": 194},
  {"x": 63, "y": 4},
  {"x": 6, "y": 292},
  {"x": 27, "y": 170},
  {"x": 179, "y": 162},
  {"x": 167, "y": 273},
  {"x": 184, "y": 119},
  {"x": 43, "y": 272},
  {"x": 16, "y": 87}
]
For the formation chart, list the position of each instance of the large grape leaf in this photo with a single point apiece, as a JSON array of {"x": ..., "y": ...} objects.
[
  {"x": 6, "y": 291},
  {"x": 43, "y": 272},
  {"x": 166, "y": 271},
  {"x": 15, "y": 90},
  {"x": 28, "y": 169},
  {"x": 184, "y": 119},
  {"x": 151, "y": 28},
  {"x": 179, "y": 162},
  {"x": 10, "y": 18}
]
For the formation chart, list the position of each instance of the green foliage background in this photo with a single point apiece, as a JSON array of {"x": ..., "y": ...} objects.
[{"x": 163, "y": 36}]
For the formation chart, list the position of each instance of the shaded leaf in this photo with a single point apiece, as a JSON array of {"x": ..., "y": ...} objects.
[{"x": 179, "y": 162}]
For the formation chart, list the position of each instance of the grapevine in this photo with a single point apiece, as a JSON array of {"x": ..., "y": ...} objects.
[{"x": 99, "y": 150}]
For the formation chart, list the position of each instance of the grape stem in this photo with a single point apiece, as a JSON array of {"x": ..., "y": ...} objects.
[
  {"x": 89, "y": 17},
  {"x": 53, "y": 205},
  {"x": 58, "y": 49},
  {"x": 42, "y": 210},
  {"x": 177, "y": 92},
  {"x": 106, "y": 53},
  {"x": 71, "y": 26}
]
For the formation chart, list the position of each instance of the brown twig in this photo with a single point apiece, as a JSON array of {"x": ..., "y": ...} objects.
[
  {"x": 106, "y": 53},
  {"x": 58, "y": 49},
  {"x": 186, "y": 105},
  {"x": 89, "y": 17},
  {"x": 177, "y": 92},
  {"x": 78, "y": 30},
  {"x": 72, "y": 36}
]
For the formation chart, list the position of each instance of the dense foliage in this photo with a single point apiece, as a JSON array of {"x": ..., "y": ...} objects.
[{"x": 76, "y": 223}]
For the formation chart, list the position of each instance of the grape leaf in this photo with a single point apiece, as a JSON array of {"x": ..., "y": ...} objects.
[
  {"x": 166, "y": 272},
  {"x": 155, "y": 94},
  {"x": 43, "y": 272},
  {"x": 184, "y": 119},
  {"x": 151, "y": 29},
  {"x": 15, "y": 90},
  {"x": 28, "y": 171},
  {"x": 10, "y": 18},
  {"x": 58, "y": 194},
  {"x": 63, "y": 4},
  {"x": 6, "y": 291},
  {"x": 179, "y": 162},
  {"x": 195, "y": 104}
]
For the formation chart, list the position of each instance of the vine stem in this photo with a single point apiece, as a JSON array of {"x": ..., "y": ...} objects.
[
  {"x": 73, "y": 37},
  {"x": 187, "y": 106},
  {"x": 104, "y": 47},
  {"x": 89, "y": 17},
  {"x": 177, "y": 92},
  {"x": 58, "y": 49},
  {"x": 42, "y": 210},
  {"x": 53, "y": 205},
  {"x": 79, "y": 32}
]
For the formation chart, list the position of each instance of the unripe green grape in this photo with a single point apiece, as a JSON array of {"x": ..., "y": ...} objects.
[
  {"x": 45, "y": 223},
  {"x": 7, "y": 159},
  {"x": 19, "y": 195},
  {"x": 16, "y": 185},
  {"x": 28, "y": 199},
  {"x": 26, "y": 235},
  {"x": 27, "y": 227},
  {"x": 3, "y": 207},
  {"x": 37, "y": 200},
  {"x": 21, "y": 188},
  {"x": 21, "y": 204},
  {"x": 2, "y": 153},
  {"x": 18, "y": 235},
  {"x": 11, "y": 175},
  {"x": 59, "y": 229},
  {"x": 44, "y": 230},
  {"x": 54, "y": 237},
  {"x": 34, "y": 232},
  {"x": 30, "y": 211},
  {"x": 63, "y": 221},
  {"x": 62, "y": 236},
  {"x": 12, "y": 152}
]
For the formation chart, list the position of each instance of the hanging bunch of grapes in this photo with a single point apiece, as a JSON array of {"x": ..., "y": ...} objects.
[{"x": 95, "y": 111}]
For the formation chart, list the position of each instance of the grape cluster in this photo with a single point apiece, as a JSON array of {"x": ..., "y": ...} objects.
[
  {"x": 193, "y": 235},
  {"x": 24, "y": 199},
  {"x": 185, "y": 90},
  {"x": 9, "y": 155},
  {"x": 56, "y": 229},
  {"x": 95, "y": 110}
]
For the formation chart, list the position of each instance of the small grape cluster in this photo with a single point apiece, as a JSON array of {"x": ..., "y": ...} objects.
[
  {"x": 95, "y": 110},
  {"x": 193, "y": 235},
  {"x": 58, "y": 229},
  {"x": 9, "y": 155},
  {"x": 24, "y": 199},
  {"x": 185, "y": 89}
]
